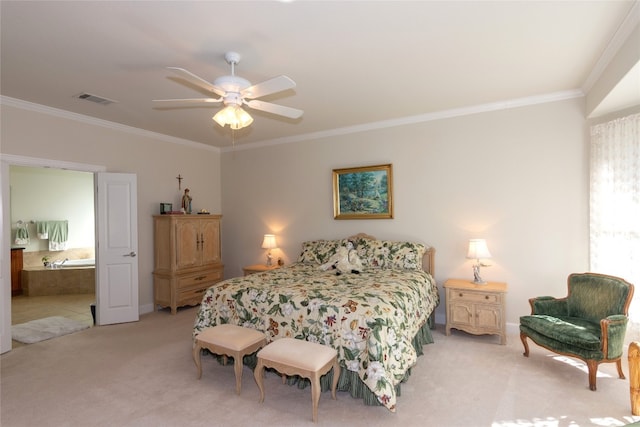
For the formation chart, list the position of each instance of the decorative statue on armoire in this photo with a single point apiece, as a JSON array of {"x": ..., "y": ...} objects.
[{"x": 186, "y": 201}]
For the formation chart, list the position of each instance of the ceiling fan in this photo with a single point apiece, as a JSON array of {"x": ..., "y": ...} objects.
[{"x": 234, "y": 92}]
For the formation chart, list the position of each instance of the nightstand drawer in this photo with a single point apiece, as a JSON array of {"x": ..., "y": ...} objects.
[
  {"x": 473, "y": 296},
  {"x": 199, "y": 279}
]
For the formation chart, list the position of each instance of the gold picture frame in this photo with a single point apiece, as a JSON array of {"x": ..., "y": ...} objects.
[{"x": 363, "y": 192}]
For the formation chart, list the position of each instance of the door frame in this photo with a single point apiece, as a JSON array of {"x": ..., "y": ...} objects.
[{"x": 6, "y": 161}]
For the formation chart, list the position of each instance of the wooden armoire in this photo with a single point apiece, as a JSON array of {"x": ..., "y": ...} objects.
[{"x": 186, "y": 260}]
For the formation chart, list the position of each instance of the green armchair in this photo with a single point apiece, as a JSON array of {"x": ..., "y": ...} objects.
[{"x": 589, "y": 323}]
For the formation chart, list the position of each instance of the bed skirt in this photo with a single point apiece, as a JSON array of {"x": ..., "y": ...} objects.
[{"x": 349, "y": 380}]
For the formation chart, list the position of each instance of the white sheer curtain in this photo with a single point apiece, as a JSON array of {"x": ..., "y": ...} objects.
[{"x": 615, "y": 205}]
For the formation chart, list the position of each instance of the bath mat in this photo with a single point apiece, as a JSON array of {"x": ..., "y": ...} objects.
[{"x": 44, "y": 329}]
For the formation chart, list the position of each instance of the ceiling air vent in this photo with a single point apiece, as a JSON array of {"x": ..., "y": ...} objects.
[{"x": 95, "y": 98}]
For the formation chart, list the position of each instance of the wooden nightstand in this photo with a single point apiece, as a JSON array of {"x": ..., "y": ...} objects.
[
  {"x": 477, "y": 309},
  {"x": 258, "y": 268}
]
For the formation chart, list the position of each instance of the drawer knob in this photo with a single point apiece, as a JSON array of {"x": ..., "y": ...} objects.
[
  {"x": 460, "y": 294},
  {"x": 486, "y": 297}
]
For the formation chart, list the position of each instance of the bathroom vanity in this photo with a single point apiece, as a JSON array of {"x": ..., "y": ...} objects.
[{"x": 16, "y": 271}]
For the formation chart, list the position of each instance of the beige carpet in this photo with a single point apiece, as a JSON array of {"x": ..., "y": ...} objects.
[
  {"x": 142, "y": 374},
  {"x": 45, "y": 329}
]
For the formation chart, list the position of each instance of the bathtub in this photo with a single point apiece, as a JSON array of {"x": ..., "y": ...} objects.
[
  {"x": 73, "y": 277},
  {"x": 73, "y": 263}
]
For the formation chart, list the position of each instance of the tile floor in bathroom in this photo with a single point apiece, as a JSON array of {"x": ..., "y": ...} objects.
[{"x": 77, "y": 307}]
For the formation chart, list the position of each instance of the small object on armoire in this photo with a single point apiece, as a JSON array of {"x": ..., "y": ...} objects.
[
  {"x": 165, "y": 208},
  {"x": 186, "y": 201}
]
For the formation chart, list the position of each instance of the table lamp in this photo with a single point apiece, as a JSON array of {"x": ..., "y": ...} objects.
[
  {"x": 477, "y": 250},
  {"x": 269, "y": 243}
]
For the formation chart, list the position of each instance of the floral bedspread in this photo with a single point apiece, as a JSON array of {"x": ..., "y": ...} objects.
[{"x": 369, "y": 318}]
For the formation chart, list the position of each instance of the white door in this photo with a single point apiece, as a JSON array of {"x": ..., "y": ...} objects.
[
  {"x": 117, "y": 246},
  {"x": 5, "y": 263}
]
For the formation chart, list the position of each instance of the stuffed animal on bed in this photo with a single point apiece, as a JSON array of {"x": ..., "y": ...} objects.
[{"x": 345, "y": 260}]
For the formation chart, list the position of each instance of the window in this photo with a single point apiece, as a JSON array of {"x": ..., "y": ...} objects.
[{"x": 615, "y": 205}]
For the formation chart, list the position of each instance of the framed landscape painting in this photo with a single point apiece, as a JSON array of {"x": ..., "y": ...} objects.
[{"x": 363, "y": 192}]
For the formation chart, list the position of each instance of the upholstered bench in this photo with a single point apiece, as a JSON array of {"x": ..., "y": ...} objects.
[
  {"x": 296, "y": 357},
  {"x": 228, "y": 340}
]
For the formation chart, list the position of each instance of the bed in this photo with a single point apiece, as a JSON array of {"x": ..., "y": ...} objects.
[{"x": 377, "y": 320}]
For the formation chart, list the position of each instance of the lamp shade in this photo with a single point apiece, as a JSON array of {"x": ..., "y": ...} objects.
[
  {"x": 269, "y": 242},
  {"x": 233, "y": 116},
  {"x": 478, "y": 249}
]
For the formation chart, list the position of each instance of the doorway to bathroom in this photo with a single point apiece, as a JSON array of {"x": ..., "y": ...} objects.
[
  {"x": 42, "y": 195},
  {"x": 116, "y": 242}
]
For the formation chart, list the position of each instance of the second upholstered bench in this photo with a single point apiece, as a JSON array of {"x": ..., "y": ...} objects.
[{"x": 296, "y": 357}]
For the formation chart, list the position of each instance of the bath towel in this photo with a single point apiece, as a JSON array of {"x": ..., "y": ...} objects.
[
  {"x": 22, "y": 235},
  {"x": 42, "y": 228},
  {"x": 56, "y": 231}
]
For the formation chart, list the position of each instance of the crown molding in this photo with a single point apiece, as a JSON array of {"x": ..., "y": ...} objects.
[
  {"x": 631, "y": 21},
  {"x": 421, "y": 118},
  {"x": 56, "y": 112},
  {"x": 49, "y": 163},
  {"x": 348, "y": 130}
]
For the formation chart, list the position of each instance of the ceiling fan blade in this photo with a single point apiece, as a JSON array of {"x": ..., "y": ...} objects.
[
  {"x": 191, "y": 100},
  {"x": 267, "y": 87},
  {"x": 198, "y": 81},
  {"x": 281, "y": 110}
]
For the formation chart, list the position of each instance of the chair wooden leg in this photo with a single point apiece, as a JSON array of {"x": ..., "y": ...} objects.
[
  {"x": 237, "y": 369},
  {"x": 620, "y": 373},
  {"x": 315, "y": 395},
  {"x": 592, "y": 365},
  {"x": 336, "y": 377},
  {"x": 197, "y": 350},
  {"x": 523, "y": 338},
  {"x": 634, "y": 376},
  {"x": 259, "y": 377}
]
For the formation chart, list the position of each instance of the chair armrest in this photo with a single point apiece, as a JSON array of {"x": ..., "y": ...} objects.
[
  {"x": 549, "y": 306},
  {"x": 613, "y": 330}
]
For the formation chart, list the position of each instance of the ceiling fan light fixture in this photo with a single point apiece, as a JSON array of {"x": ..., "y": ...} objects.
[
  {"x": 232, "y": 83},
  {"x": 233, "y": 116},
  {"x": 235, "y": 92}
]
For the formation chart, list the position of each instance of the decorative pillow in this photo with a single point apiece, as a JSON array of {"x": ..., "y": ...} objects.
[
  {"x": 406, "y": 255},
  {"x": 318, "y": 251},
  {"x": 382, "y": 254},
  {"x": 390, "y": 255}
]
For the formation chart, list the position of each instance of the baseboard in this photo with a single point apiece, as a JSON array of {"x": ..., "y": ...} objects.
[{"x": 144, "y": 309}]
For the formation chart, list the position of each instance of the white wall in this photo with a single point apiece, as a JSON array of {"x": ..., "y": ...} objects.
[
  {"x": 517, "y": 177},
  {"x": 40, "y": 194},
  {"x": 154, "y": 159}
]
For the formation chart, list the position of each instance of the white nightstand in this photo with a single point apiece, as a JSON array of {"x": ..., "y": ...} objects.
[
  {"x": 476, "y": 309},
  {"x": 258, "y": 268}
]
